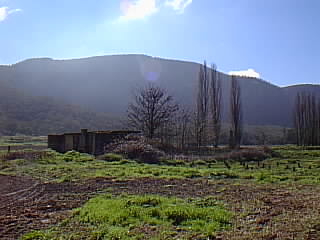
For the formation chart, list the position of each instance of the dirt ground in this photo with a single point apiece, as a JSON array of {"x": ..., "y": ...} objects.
[{"x": 261, "y": 211}]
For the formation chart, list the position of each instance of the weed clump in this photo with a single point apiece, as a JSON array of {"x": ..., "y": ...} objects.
[
  {"x": 245, "y": 155},
  {"x": 248, "y": 155},
  {"x": 127, "y": 213},
  {"x": 35, "y": 235},
  {"x": 200, "y": 162},
  {"x": 172, "y": 162},
  {"x": 72, "y": 156},
  {"x": 111, "y": 157}
]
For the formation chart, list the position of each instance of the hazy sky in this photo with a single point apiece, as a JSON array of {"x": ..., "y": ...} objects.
[{"x": 278, "y": 39}]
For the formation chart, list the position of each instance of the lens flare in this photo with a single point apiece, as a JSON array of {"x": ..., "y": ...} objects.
[
  {"x": 150, "y": 69},
  {"x": 125, "y": 6}
]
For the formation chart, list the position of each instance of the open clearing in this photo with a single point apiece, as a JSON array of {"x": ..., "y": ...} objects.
[
  {"x": 261, "y": 211},
  {"x": 277, "y": 198}
]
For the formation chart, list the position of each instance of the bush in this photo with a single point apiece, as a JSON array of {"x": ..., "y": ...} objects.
[
  {"x": 271, "y": 152},
  {"x": 247, "y": 155},
  {"x": 165, "y": 147},
  {"x": 138, "y": 149},
  {"x": 253, "y": 155}
]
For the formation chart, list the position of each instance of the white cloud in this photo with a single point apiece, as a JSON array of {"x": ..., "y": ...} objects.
[
  {"x": 5, "y": 12},
  {"x": 138, "y": 9},
  {"x": 15, "y": 10},
  {"x": 178, "y": 5},
  {"x": 245, "y": 73}
]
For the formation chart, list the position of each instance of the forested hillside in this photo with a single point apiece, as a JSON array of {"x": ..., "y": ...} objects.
[
  {"x": 21, "y": 113},
  {"x": 49, "y": 95}
]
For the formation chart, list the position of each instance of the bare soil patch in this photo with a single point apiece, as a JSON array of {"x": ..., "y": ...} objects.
[{"x": 261, "y": 211}]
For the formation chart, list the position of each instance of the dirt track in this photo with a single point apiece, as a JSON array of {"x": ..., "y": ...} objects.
[{"x": 270, "y": 212}]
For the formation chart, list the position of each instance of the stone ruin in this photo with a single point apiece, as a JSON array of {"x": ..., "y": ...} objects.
[{"x": 86, "y": 142}]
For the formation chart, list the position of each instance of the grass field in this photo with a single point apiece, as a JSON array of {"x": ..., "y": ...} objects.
[
  {"x": 292, "y": 165},
  {"x": 117, "y": 198},
  {"x": 23, "y": 140}
]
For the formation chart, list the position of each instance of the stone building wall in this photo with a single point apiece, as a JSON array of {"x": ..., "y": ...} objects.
[{"x": 86, "y": 142}]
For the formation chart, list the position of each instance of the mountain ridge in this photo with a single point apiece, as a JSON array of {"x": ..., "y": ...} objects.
[
  {"x": 129, "y": 55},
  {"x": 105, "y": 84}
]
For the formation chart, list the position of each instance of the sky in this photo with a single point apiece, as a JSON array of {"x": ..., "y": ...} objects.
[{"x": 276, "y": 40}]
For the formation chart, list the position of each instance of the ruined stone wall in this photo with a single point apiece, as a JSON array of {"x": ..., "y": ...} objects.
[
  {"x": 101, "y": 140},
  {"x": 68, "y": 142},
  {"x": 56, "y": 142},
  {"x": 86, "y": 142},
  {"x": 83, "y": 141}
]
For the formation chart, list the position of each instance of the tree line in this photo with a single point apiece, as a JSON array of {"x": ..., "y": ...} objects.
[
  {"x": 157, "y": 115},
  {"x": 307, "y": 119}
]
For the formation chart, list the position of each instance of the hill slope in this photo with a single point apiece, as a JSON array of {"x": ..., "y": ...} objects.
[
  {"x": 105, "y": 84},
  {"x": 24, "y": 114}
]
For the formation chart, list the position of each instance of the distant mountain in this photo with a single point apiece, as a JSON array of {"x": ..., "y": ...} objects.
[
  {"x": 106, "y": 83},
  {"x": 21, "y": 113}
]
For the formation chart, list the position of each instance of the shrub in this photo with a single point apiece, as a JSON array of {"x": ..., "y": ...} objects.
[
  {"x": 271, "y": 152},
  {"x": 138, "y": 149},
  {"x": 253, "y": 155},
  {"x": 165, "y": 147},
  {"x": 245, "y": 155}
]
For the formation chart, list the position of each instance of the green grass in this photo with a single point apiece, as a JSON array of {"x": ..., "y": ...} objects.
[
  {"x": 133, "y": 217},
  {"x": 111, "y": 157},
  {"x": 294, "y": 165},
  {"x": 23, "y": 140},
  {"x": 61, "y": 170},
  {"x": 126, "y": 217}
]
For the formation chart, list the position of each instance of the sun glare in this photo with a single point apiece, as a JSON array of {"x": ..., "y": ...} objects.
[{"x": 132, "y": 10}]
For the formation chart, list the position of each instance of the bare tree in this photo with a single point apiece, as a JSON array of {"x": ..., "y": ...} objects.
[
  {"x": 216, "y": 95},
  {"x": 317, "y": 122},
  {"x": 306, "y": 119},
  {"x": 167, "y": 134},
  {"x": 235, "y": 113},
  {"x": 298, "y": 119},
  {"x": 202, "y": 106},
  {"x": 261, "y": 136},
  {"x": 152, "y": 107},
  {"x": 183, "y": 120}
]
